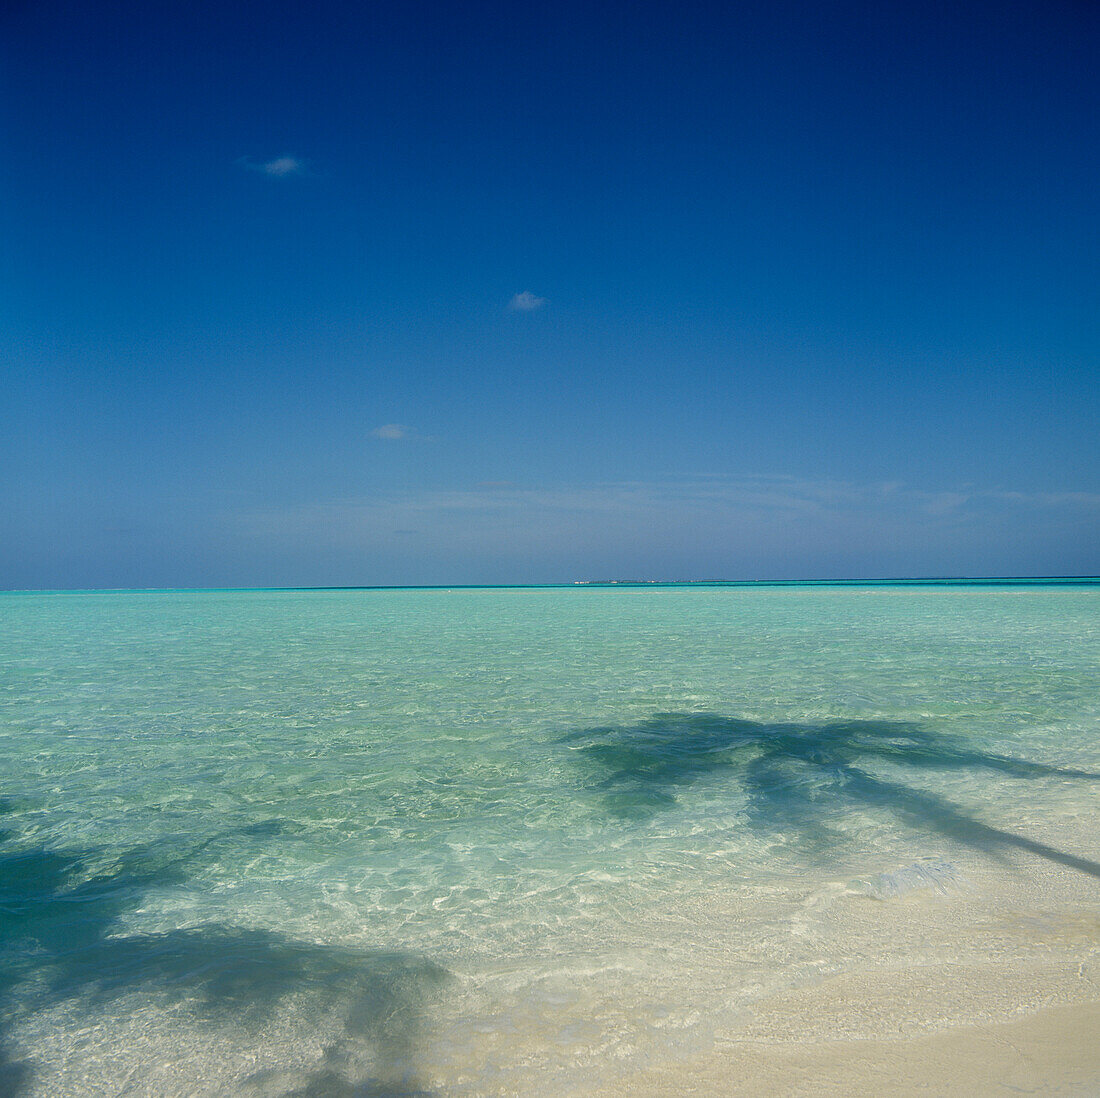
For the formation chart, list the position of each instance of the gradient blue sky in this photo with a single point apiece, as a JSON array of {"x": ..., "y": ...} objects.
[{"x": 442, "y": 293}]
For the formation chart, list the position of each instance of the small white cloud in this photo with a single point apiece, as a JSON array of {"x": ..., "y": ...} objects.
[
  {"x": 280, "y": 167},
  {"x": 392, "y": 431},
  {"x": 526, "y": 302}
]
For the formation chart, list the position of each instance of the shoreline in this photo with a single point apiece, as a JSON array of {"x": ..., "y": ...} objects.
[{"x": 1051, "y": 1052}]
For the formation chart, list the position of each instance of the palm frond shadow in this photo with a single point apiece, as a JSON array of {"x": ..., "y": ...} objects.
[
  {"x": 62, "y": 937},
  {"x": 798, "y": 776}
]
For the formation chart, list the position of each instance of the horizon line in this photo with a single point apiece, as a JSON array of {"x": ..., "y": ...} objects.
[{"x": 881, "y": 581}]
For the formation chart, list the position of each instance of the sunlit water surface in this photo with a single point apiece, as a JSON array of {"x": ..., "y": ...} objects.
[{"x": 530, "y": 841}]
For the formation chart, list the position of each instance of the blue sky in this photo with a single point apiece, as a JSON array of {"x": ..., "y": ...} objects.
[{"x": 440, "y": 293}]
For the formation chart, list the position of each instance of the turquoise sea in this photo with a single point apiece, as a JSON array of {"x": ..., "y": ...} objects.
[{"x": 533, "y": 840}]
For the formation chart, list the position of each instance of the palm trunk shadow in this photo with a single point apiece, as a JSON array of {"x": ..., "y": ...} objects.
[{"x": 925, "y": 809}]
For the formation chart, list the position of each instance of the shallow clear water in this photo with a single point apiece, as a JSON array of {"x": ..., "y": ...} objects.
[{"x": 526, "y": 840}]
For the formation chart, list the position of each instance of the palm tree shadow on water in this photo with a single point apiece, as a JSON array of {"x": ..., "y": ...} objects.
[
  {"x": 797, "y": 777},
  {"x": 62, "y": 939}
]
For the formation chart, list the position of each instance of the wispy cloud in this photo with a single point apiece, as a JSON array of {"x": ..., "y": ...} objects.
[
  {"x": 393, "y": 432},
  {"x": 715, "y": 525},
  {"x": 526, "y": 302},
  {"x": 400, "y": 432},
  {"x": 279, "y": 167}
]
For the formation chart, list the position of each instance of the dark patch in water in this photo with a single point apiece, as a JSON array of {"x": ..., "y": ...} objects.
[
  {"x": 799, "y": 776},
  {"x": 61, "y": 938}
]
